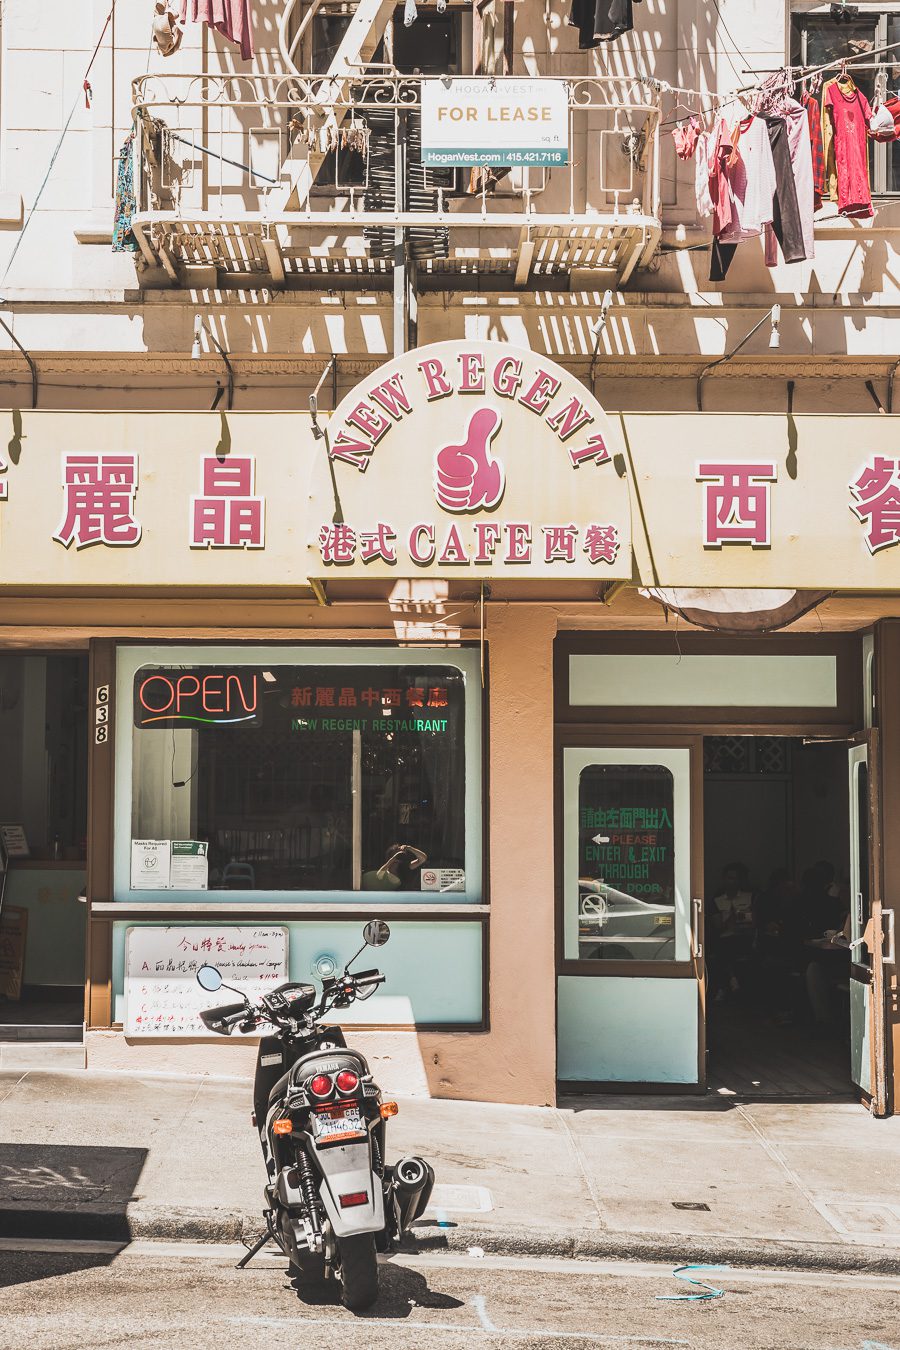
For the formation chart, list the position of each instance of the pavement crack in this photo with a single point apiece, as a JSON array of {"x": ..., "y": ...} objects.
[{"x": 576, "y": 1151}]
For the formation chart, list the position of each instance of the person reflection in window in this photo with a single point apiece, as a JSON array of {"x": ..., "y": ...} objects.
[{"x": 398, "y": 872}]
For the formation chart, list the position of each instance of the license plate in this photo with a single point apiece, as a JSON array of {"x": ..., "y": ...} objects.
[{"x": 338, "y": 1124}]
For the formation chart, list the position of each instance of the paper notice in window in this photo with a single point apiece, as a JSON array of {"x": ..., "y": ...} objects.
[
  {"x": 150, "y": 864},
  {"x": 443, "y": 879},
  {"x": 190, "y": 865}
]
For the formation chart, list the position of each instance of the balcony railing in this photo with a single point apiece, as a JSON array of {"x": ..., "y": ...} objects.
[{"x": 264, "y": 179}]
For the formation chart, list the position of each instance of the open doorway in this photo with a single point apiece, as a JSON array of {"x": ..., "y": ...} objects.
[
  {"x": 777, "y": 889},
  {"x": 43, "y": 845}
]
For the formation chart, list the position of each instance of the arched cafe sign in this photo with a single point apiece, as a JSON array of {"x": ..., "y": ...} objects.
[{"x": 470, "y": 458}]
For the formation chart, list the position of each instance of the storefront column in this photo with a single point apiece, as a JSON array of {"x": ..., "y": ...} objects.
[
  {"x": 887, "y": 702},
  {"x": 516, "y": 1060}
]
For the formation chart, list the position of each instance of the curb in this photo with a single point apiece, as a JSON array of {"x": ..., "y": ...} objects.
[{"x": 166, "y": 1224}]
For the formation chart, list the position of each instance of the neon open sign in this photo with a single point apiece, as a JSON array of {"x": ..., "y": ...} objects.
[{"x": 195, "y": 698}]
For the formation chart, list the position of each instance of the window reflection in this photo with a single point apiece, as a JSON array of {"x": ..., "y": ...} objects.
[{"x": 626, "y": 863}]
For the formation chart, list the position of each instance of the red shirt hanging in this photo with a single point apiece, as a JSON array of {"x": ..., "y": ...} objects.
[{"x": 849, "y": 111}]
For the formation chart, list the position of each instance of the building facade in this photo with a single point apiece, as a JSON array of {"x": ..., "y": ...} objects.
[{"x": 573, "y": 588}]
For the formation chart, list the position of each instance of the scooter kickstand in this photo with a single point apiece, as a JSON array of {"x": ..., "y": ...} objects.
[{"x": 257, "y": 1247}]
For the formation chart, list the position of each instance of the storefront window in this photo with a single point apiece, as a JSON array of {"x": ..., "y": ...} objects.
[
  {"x": 626, "y": 863},
  {"x": 313, "y": 776}
]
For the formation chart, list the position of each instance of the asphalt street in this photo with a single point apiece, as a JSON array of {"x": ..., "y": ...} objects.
[{"x": 81, "y": 1296}]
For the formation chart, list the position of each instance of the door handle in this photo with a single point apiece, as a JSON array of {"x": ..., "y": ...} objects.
[
  {"x": 890, "y": 956},
  {"x": 696, "y": 927}
]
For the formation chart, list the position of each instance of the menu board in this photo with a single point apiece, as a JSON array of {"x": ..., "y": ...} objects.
[
  {"x": 626, "y": 836},
  {"x": 162, "y": 996}
]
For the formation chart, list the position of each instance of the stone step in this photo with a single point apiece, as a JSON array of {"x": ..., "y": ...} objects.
[{"x": 64, "y": 1055}]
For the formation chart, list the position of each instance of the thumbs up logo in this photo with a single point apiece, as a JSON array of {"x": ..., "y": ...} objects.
[{"x": 467, "y": 477}]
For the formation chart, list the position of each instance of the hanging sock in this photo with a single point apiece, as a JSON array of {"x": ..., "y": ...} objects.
[
  {"x": 410, "y": 14},
  {"x": 441, "y": 6}
]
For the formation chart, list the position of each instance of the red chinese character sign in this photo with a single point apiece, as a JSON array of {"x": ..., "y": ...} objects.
[
  {"x": 736, "y": 503},
  {"x": 471, "y": 459},
  {"x": 227, "y": 514},
  {"x": 98, "y": 500}
]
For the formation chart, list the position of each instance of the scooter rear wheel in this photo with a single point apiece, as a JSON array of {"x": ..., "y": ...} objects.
[{"x": 358, "y": 1271}]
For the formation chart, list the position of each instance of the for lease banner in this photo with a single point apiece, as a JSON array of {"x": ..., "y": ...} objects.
[{"x": 476, "y": 121}]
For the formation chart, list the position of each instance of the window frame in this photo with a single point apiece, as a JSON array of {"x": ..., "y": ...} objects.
[
  {"x": 130, "y": 657},
  {"x": 815, "y": 9}
]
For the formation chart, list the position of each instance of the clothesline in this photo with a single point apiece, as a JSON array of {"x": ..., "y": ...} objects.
[{"x": 718, "y": 102}]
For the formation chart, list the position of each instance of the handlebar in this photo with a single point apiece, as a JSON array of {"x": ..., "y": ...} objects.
[{"x": 337, "y": 992}]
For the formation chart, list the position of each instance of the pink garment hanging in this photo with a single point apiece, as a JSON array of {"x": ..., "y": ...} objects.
[
  {"x": 231, "y": 18},
  {"x": 848, "y": 110}
]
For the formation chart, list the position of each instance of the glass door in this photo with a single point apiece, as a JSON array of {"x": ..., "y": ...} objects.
[
  {"x": 868, "y": 1065},
  {"x": 631, "y": 969}
]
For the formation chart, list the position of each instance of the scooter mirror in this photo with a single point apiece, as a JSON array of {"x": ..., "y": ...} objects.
[
  {"x": 209, "y": 979},
  {"x": 376, "y": 933}
]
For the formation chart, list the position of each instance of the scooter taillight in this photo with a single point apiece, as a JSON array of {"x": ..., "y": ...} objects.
[
  {"x": 320, "y": 1086},
  {"x": 347, "y": 1081}
]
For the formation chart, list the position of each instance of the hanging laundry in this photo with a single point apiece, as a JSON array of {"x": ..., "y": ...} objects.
[
  {"x": 751, "y": 183},
  {"x": 601, "y": 20},
  {"x": 166, "y": 28},
  {"x": 881, "y": 124},
  {"x": 123, "y": 240},
  {"x": 231, "y": 18},
  {"x": 796, "y": 117},
  {"x": 848, "y": 114},
  {"x": 785, "y": 225},
  {"x": 814, "y": 120},
  {"x": 722, "y": 160},
  {"x": 831, "y": 185},
  {"x": 410, "y": 13},
  {"x": 701, "y": 175},
  {"x": 685, "y": 136}
]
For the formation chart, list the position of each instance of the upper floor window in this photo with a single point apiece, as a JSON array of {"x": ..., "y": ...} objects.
[
  {"x": 822, "y": 33},
  {"x": 433, "y": 45}
]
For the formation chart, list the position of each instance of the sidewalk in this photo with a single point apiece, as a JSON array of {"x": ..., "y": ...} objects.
[{"x": 122, "y": 1156}]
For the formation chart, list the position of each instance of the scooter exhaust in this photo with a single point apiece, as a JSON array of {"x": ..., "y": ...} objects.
[{"x": 413, "y": 1182}]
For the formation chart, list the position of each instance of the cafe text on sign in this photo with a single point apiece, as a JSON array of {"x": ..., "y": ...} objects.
[{"x": 472, "y": 456}]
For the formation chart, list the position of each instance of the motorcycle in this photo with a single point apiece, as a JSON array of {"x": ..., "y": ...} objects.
[{"x": 332, "y": 1202}]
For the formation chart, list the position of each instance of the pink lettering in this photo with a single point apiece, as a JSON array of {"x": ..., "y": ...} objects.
[
  {"x": 391, "y": 396},
  {"x": 518, "y": 543},
  {"x": 487, "y": 537},
  {"x": 416, "y": 535},
  {"x": 595, "y": 450},
  {"x": 369, "y": 422},
  {"x": 453, "y": 551},
  {"x": 507, "y": 377},
  {"x": 435, "y": 378},
  {"x": 209, "y": 692},
  {"x": 569, "y": 419},
  {"x": 538, "y": 397},
  {"x": 472, "y": 381},
  {"x": 351, "y": 451}
]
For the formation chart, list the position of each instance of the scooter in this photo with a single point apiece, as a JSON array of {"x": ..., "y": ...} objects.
[{"x": 331, "y": 1199}]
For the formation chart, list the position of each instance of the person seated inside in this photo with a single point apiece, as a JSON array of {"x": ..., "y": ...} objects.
[
  {"x": 775, "y": 920},
  {"x": 398, "y": 872},
  {"x": 731, "y": 930}
]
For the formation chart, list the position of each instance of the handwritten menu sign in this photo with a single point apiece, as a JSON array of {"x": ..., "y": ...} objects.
[
  {"x": 626, "y": 835},
  {"x": 162, "y": 996}
]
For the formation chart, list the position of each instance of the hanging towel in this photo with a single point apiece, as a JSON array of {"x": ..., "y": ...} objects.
[
  {"x": 795, "y": 115},
  {"x": 123, "y": 240},
  {"x": 231, "y": 18}
]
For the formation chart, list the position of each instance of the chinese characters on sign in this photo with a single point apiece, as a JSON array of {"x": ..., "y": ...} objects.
[
  {"x": 98, "y": 501},
  {"x": 737, "y": 503},
  {"x": 877, "y": 493},
  {"x": 162, "y": 997},
  {"x": 485, "y": 542},
  {"x": 227, "y": 515}
]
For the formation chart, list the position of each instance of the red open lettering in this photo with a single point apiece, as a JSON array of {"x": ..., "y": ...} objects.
[
  {"x": 184, "y": 691},
  {"x": 143, "y": 693},
  {"x": 235, "y": 679},
  {"x": 209, "y": 693}
]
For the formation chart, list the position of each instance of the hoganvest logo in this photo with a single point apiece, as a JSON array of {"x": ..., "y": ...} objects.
[{"x": 468, "y": 477}]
